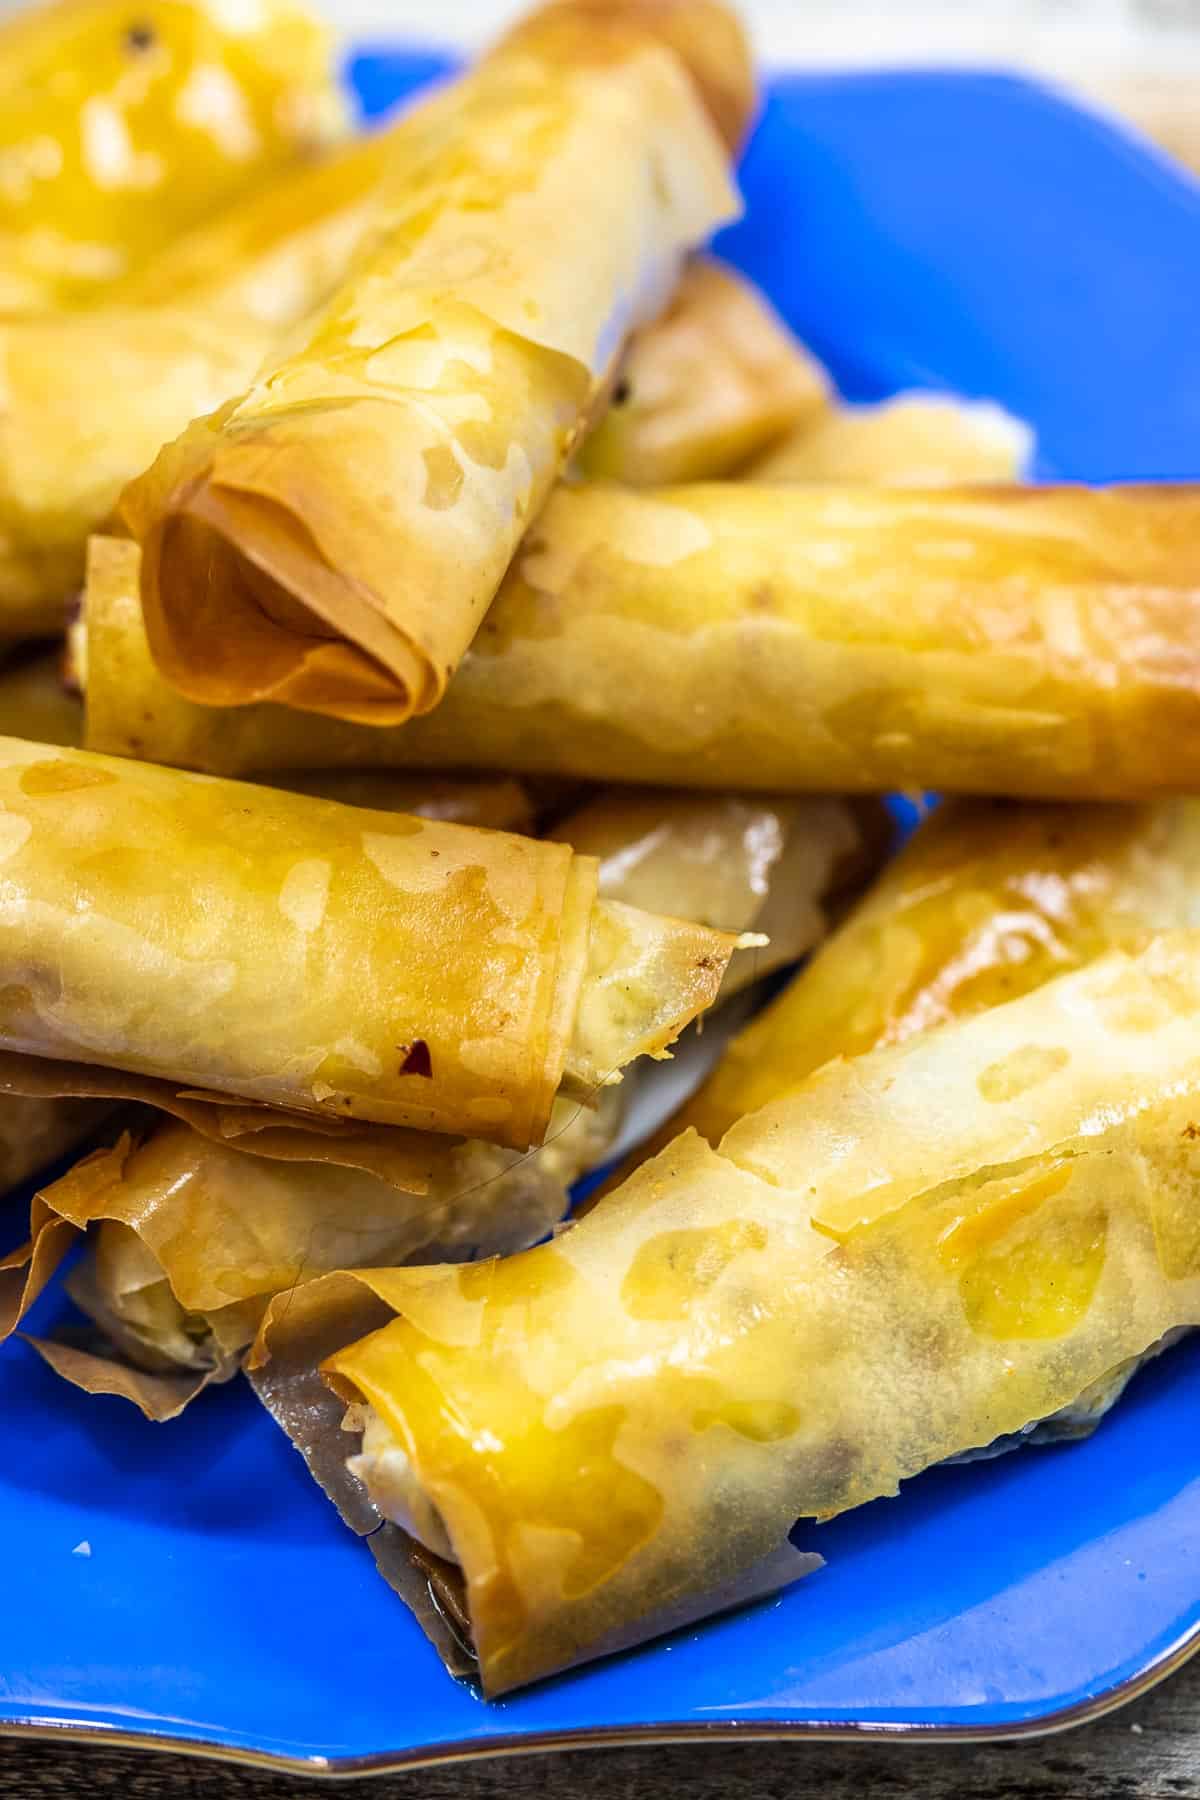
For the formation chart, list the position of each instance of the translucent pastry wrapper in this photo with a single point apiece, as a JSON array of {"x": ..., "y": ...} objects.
[
  {"x": 127, "y": 682},
  {"x": 333, "y": 537},
  {"x": 190, "y": 1238},
  {"x": 90, "y": 399},
  {"x": 711, "y": 387},
  {"x": 35, "y": 1130},
  {"x": 277, "y": 253},
  {"x": 119, "y": 130},
  {"x": 771, "y": 863},
  {"x": 920, "y": 1251},
  {"x": 1034, "y": 642},
  {"x": 344, "y": 963},
  {"x": 915, "y": 440},
  {"x": 406, "y": 1159},
  {"x": 711, "y": 384},
  {"x": 985, "y": 902}
]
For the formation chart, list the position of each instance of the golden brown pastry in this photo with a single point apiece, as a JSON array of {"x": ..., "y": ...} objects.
[
  {"x": 703, "y": 389},
  {"x": 90, "y": 397},
  {"x": 919, "y": 1252},
  {"x": 332, "y": 537},
  {"x": 122, "y": 127},
  {"x": 915, "y": 440},
  {"x": 1034, "y": 642},
  {"x": 343, "y": 963},
  {"x": 986, "y": 902}
]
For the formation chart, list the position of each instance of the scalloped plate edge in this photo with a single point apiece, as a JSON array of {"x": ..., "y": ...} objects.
[{"x": 597, "y": 1737}]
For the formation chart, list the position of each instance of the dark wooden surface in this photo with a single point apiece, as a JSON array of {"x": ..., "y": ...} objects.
[{"x": 1147, "y": 1751}]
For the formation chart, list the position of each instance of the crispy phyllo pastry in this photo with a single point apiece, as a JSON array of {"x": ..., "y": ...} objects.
[
  {"x": 1035, "y": 642},
  {"x": 90, "y": 398},
  {"x": 715, "y": 381},
  {"x": 333, "y": 537},
  {"x": 37, "y": 1129},
  {"x": 189, "y": 1238},
  {"x": 771, "y": 863},
  {"x": 277, "y": 253},
  {"x": 915, "y": 440},
  {"x": 986, "y": 902},
  {"x": 297, "y": 952},
  {"x": 918, "y": 1253},
  {"x": 39, "y": 697},
  {"x": 120, "y": 128}
]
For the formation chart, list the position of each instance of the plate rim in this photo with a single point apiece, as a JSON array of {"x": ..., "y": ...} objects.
[
  {"x": 42, "y": 1726},
  {"x": 46, "y": 1729}
]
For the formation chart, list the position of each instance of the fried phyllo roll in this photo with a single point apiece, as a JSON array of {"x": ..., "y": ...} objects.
[
  {"x": 189, "y": 1238},
  {"x": 120, "y": 129},
  {"x": 333, "y": 537},
  {"x": 305, "y": 954},
  {"x": 90, "y": 398},
  {"x": 36, "y": 1129},
  {"x": 714, "y": 382},
  {"x": 770, "y": 863},
  {"x": 918, "y": 1253},
  {"x": 915, "y": 440},
  {"x": 1034, "y": 642},
  {"x": 985, "y": 902}
]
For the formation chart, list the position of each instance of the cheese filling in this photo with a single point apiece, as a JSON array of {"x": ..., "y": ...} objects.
[{"x": 392, "y": 1483}]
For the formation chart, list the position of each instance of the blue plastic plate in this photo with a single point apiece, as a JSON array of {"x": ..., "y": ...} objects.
[{"x": 970, "y": 232}]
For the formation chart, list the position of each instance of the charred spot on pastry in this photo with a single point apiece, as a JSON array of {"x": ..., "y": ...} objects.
[
  {"x": 417, "y": 1060},
  {"x": 139, "y": 37},
  {"x": 622, "y": 393},
  {"x": 1191, "y": 1131}
]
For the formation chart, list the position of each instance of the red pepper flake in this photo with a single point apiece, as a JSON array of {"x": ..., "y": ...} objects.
[{"x": 417, "y": 1060}]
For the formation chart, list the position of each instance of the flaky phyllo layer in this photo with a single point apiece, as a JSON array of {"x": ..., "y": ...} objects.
[
  {"x": 189, "y": 1238},
  {"x": 1023, "y": 641},
  {"x": 332, "y": 536},
  {"x": 120, "y": 135},
  {"x": 347, "y": 964},
  {"x": 116, "y": 381},
  {"x": 913, "y": 1255},
  {"x": 985, "y": 902}
]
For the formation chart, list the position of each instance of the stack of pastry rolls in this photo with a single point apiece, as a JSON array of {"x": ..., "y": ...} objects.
[{"x": 476, "y": 643}]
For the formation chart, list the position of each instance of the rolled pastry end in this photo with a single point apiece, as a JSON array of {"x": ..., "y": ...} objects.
[
  {"x": 393, "y": 1486},
  {"x": 706, "y": 36},
  {"x": 245, "y": 552},
  {"x": 647, "y": 977}
]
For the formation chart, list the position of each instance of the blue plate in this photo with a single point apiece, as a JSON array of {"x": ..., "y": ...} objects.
[{"x": 968, "y": 232}]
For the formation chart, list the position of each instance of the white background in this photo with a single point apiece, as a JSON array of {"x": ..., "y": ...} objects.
[{"x": 1102, "y": 39}]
